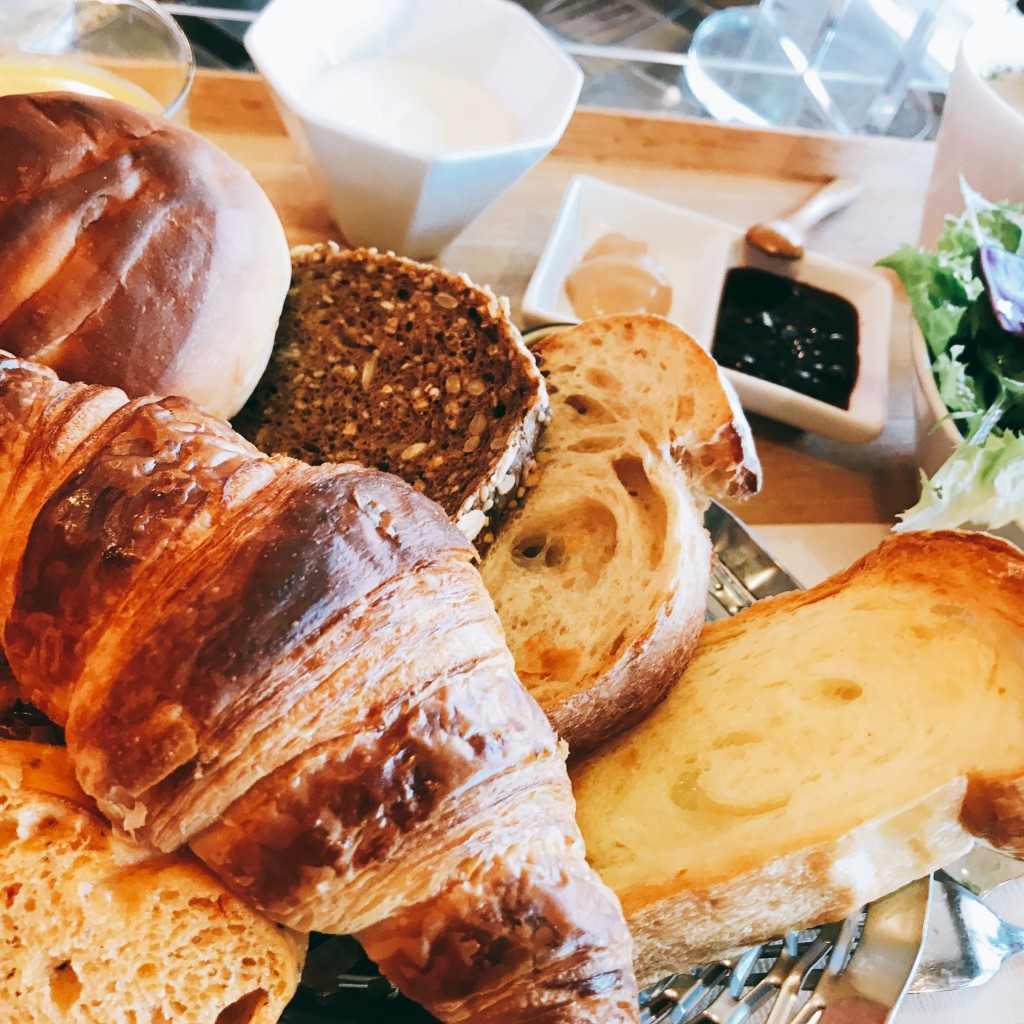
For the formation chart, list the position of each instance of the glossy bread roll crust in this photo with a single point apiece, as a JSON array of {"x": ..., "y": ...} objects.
[
  {"x": 134, "y": 252},
  {"x": 297, "y": 671}
]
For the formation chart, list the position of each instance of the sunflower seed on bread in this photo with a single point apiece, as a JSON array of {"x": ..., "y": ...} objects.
[
  {"x": 600, "y": 577},
  {"x": 406, "y": 368}
]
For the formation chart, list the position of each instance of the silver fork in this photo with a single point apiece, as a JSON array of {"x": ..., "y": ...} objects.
[
  {"x": 733, "y": 1005},
  {"x": 870, "y": 959},
  {"x": 968, "y": 943},
  {"x": 869, "y": 985},
  {"x": 679, "y": 998}
]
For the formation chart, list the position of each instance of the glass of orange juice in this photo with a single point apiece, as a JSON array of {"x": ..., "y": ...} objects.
[{"x": 129, "y": 50}]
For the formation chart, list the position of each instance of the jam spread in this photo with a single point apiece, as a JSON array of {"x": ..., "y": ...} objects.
[{"x": 789, "y": 333}]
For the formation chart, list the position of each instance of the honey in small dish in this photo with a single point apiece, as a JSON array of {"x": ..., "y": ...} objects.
[{"x": 618, "y": 275}]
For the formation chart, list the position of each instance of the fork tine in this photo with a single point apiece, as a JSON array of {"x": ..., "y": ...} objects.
[
  {"x": 730, "y": 998},
  {"x": 740, "y": 973},
  {"x": 838, "y": 959},
  {"x": 796, "y": 971},
  {"x": 735, "y": 1009},
  {"x": 666, "y": 1002}
]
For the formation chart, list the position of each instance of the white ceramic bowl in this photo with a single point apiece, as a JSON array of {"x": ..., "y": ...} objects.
[
  {"x": 695, "y": 253},
  {"x": 414, "y": 197}
]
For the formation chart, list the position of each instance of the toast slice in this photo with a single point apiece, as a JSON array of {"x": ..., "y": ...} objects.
[
  {"x": 821, "y": 749},
  {"x": 97, "y": 929},
  {"x": 600, "y": 576},
  {"x": 406, "y": 368}
]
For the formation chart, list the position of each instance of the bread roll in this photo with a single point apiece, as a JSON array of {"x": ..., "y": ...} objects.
[
  {"x": 97, "y": 929},
  {"x": 133, "y": 252}
]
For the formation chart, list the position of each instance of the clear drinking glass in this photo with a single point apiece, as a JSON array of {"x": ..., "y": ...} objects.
[
  {"x": 128, "y": 49},
  {"x": 838, "y": 65}
]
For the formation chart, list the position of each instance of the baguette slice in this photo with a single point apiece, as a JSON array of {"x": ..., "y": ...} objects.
[
  {"x": 600, "y": 578},
  {"x": 97, "y": 929},
  {"x": 821, "y": 749},
  {"x": 402, "y": 367}
]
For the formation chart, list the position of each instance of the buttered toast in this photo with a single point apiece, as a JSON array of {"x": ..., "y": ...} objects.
[
  {"x": 600, "y": 577},
  {"x": 821, "y": 749}
]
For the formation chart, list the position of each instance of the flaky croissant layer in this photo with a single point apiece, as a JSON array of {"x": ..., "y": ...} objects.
[{"x": 297, "y": 671}]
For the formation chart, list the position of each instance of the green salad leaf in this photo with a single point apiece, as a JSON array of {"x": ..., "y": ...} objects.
[
  {"x": 980, "y": 483},
  {"x": 978, "y": 366}
]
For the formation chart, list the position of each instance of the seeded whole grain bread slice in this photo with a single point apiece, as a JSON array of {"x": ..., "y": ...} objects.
[{"x": 406, "y": 368}]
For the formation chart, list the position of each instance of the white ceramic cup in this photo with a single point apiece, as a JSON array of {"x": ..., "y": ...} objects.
[
  {"x": 981, "y": 134},
  {"x": 385, "y": 188}
]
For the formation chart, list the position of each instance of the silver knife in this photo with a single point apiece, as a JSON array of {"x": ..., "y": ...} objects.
[{"x": 868, "y": 988}]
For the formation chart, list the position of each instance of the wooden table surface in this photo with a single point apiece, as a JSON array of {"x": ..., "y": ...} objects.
[{"x": 741, "y": 175}]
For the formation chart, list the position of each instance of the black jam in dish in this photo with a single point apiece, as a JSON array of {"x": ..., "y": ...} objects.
[{"x": 789, "y": 333}]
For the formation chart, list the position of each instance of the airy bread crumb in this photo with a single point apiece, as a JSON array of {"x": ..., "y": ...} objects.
[
  {"x": 822, "y": 749},
  {"x": 600, "y": 579},
  {"x": 96, "y": 929}
]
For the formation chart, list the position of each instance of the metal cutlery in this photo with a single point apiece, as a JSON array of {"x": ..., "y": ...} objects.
[
  {"x": 866, "y": 987},
  {"x": 719, "y": 987},
  {"x": 785, "y": 236},
  {"x": 967, "y": 942}
]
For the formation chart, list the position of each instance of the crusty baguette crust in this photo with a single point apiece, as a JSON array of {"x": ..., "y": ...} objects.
[
  {"x": 621, "y": 696},
  {"x": 814, "y": 861},
  {"x": 600, "y": 578}
]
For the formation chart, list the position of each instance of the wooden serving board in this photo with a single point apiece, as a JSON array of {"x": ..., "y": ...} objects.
[{"x": 738, "y": 174}]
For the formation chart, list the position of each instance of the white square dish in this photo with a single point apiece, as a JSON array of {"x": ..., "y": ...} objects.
[
  {"x": 693, "y": 251},
  {"x": 696, "y": 252}
]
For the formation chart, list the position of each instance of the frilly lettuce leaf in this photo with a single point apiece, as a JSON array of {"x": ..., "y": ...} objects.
[
  {"x": 981, "y": 485},
  {"x": 974, "y": 362},
  {"x": 957, "y": 388},
  {"x": 940, "y": 287}
]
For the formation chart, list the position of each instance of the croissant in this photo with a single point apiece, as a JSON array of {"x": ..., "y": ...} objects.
[{"x": 297, "y": 671}]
